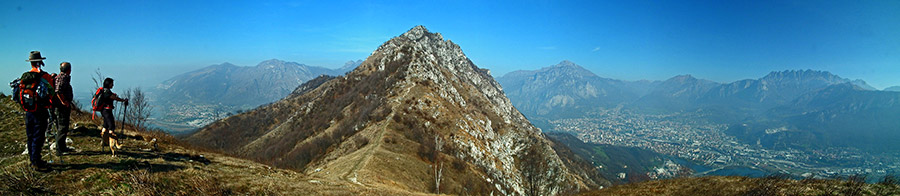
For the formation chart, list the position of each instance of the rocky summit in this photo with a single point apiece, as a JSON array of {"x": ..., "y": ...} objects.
[{"x": 417, "y": 115}]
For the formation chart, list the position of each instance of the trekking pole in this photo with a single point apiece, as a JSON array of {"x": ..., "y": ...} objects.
[
  {"x": 124, "y": 118},
  {"x": 49, "y": 134}
]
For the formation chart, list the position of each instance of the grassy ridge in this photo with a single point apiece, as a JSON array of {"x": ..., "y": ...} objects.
[{"x": 171, "y": 169}]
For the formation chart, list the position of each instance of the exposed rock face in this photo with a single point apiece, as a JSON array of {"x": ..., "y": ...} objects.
[{"x": 416, "y": 104}]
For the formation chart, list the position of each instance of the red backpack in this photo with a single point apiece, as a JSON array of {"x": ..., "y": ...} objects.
[
  {"x": 34, "y": 91},
  {"x": 96, "y": 103}
]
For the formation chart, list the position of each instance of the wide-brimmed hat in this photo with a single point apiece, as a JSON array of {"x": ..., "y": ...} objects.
[{"x": 35, "y": 56}]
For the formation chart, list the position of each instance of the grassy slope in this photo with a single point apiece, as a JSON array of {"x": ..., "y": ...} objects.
[
  {"x": 173, "y": 169},
  {"x": 730, "y": 185}
]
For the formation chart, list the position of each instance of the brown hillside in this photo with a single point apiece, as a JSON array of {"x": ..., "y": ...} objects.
[
  {"x": 171, "y": 169},
  {"x": 418, "y": 103}
]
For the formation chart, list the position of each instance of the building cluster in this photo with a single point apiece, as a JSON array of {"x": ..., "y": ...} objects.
[{"x": 689, "y": 137}]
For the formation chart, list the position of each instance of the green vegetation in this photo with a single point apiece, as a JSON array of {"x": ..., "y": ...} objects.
[{"x": 611, "y": 160}]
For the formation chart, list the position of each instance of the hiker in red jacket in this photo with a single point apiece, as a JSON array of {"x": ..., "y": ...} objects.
[{"x": 37, "y": 89}]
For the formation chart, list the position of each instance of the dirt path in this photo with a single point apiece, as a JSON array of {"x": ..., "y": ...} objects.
[{"x": 351, "y": 176}]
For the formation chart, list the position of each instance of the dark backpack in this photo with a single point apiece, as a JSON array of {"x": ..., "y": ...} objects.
[
  {"x": 15, "y": 89},
  {"x": 33, "y": 92}
]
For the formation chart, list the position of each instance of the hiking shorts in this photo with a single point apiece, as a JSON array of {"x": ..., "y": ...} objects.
[{"x": 109, "y": 121}]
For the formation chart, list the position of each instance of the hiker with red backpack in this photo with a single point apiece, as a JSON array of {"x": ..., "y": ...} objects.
[
  {"x": 103, "y": 102},
  {"x": 33, "y": 93}
]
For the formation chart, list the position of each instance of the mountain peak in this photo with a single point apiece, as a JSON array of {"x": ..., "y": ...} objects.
[
  {"x": 225, "y": 64},
  {"x": 566, "y": 68},
  {"x": 566, "y": 63},
  {"x": 419, "y": 32},
  {"x": 808, "y": 73},
  {"x": 350, "y": 65},
  {"x": 417, "y": 41},
  {"x": 272, "y": 62},
  {"x": 683, "y": 78}
]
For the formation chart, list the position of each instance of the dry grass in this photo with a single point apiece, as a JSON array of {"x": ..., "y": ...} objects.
[
  {"x": 743, "y": 186},
  {"x": 22, "y": 179},
  {"x": 172, "y": 169}
]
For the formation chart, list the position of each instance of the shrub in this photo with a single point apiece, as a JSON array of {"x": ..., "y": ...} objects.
[
  {"x": 854, "y": 185},
  {"x": 889, "y": 180},
  {"x": 143, "y": 182}
]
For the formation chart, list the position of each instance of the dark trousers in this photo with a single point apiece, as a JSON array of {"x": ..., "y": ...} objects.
[
  {"x": 35, "y": 128},
  {"x": 62, "y": 125},
  {"x": 109, "y": 120}
]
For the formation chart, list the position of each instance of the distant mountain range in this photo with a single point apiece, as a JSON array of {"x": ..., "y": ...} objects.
[
  {"x": 840, "y": 115},
  {"x": 819, "y": 108},
  {"x": 207, "y": 94},
  {"x": 893, "y": 88}
]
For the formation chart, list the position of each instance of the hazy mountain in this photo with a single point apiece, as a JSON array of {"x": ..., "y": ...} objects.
[
  {"x": 418, "y": 103},
  {"x": 348, "y": 66},
  {"x": 893, "y": 88},
  {"x": 207, "y": 94},
  {"x": 863, "y": 85},
  {"x": 841, "y": 115},
  {"x": 740, "y": 99},
  {"x": 567, "y": 89},
  {"x": 794, "y": 108},
  {"x": 776, "y": 88},
  {"x": 675, "y": 94},
  {"x": 239, "y": 85}
]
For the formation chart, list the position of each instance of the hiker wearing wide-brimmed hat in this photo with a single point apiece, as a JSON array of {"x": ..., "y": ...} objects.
[{"x": 36, "y": 90}]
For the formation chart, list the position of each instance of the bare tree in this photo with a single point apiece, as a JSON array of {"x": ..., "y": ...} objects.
[
  {"x": 438, "y": 166},
  {"x": 140, "y": 109},
  {"x": 533, "y": 167},
  {"x": 97, "y": 78}
]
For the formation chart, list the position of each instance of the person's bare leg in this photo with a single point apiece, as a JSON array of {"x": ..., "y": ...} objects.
[{"x": 104, "y": 137}]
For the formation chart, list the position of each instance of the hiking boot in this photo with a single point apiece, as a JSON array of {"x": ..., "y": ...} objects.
[
  {"x": 41, "y": 166},
  {"x": 69, "y": 149},
  {"x": 64, "y": 151}
]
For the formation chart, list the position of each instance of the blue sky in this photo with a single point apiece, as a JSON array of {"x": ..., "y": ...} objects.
[{"x": 144, "y": 42}]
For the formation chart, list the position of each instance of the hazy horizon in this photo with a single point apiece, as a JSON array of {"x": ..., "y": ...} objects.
[{"x": 718, "y": 41}]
